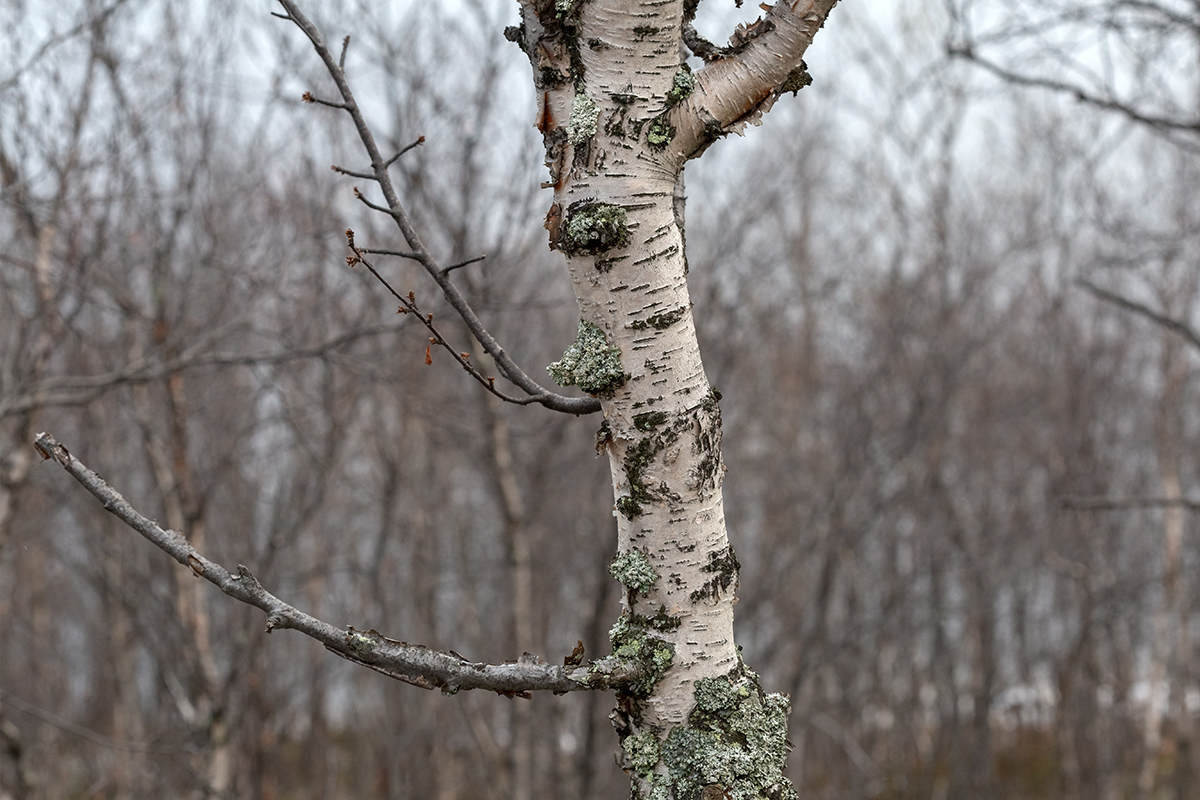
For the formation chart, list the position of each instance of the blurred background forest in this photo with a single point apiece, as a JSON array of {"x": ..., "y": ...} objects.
[{"x": 962, "y": 484}]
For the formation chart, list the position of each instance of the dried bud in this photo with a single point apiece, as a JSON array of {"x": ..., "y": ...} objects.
[{"x": 308, "y": 97}]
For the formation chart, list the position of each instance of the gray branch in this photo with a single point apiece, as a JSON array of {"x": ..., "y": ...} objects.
[
  {"x": 379, "y": 172},
  {"x": 1102, "y": 503},
  {"x": 77, "y": 390},
  {"x": 1169, "y": 323},
  {"x": 415, "y": 664},
  {"x": 1081, "y": 94}
]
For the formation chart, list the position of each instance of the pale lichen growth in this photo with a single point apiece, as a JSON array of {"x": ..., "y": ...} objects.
[
  {"x": 736, "y": 739},
  {"x": 634, "y": 571},
  {"x": 584, "y": 116},
  {"x": 592, "y": 227},
  {"x": 589, "y": 363},
  {"x": 681, "y": 86},
  {"x": 660, "y": 132},
  {"x": 639, "y": 639},
  {"x": 642, "y": 749},
  {"x": 360, "y": 644}
]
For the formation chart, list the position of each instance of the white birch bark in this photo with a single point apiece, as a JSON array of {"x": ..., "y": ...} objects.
[{"x": 620, "y": 116}]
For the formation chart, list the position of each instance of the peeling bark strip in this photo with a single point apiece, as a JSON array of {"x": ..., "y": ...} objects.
[{"x": 620, "y": 115}]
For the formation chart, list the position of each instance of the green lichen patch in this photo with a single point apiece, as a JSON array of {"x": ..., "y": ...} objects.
[
  {"x": 660, "y": 321},
  {"x": 720, "y": 696},
  {"x": 640, "y": 32},
  {"x": 634, "y": 640},
  {"x": 634, "y": 571},
  {"x": 582, "y": 124},
  {"x": 361, "y": 644},
  {"x": 589, "y": 363},
  {"x": 734, "y": 745},
  {"x": 642, "y": 749},
  {"x": 681, "y": 86},
  {"x": 659, "y": 132},
  {"x": 649, "y": 420},
  {"x": 591, "y": 227},
  {"x": 723, "y": 566}
]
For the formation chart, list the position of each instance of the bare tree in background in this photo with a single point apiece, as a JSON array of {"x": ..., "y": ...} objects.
[{"x": 1136, "y": 61}]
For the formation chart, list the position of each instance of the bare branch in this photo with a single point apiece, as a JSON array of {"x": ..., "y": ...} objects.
[
  {"x": 742, "y": 81},
  {"x": 1170, "y": 323},
  {"x": 420, "y": 140},
  {"x": 91, "y": 22},
  {"x": 397, "y": 253},
  {"x": 700, "y": 47},
  {"x": 460, "y": 264},
  {"x": 343, "y": 171},
  {"x": 374, "y": 207},
  {"x": 415, "y": 664},
  {"x": 1078, "y": 92},
  {"x": 1127, "y": 503},
  {"x": 408, "y": 305},
  {"x": 508, "y": 368},
  {"x": 80, "y": 390},
  {"x": 309, "y": 97}
]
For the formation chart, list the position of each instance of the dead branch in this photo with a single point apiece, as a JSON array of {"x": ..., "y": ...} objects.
[
  {"x": 420, "y": 253},
  {"x": 415, "y": 664}
]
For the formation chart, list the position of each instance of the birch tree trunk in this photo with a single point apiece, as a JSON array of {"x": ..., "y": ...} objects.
[{"x": 620, "y": 115}]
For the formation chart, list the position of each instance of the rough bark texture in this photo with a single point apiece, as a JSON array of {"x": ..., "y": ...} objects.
[{"x": 620, "y": 115}]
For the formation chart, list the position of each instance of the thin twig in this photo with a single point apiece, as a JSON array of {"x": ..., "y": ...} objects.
[
  {"x": 83, "y": 389},
  {"x": 463, "y": 263},
  {"x": 309, "y": 97},
  {"x": 374, "y": 207},
  {"x": 1078, "y": 92},
  {"x": 504, "y": 362},
  {"x": 1127, "y": 503},
  {"x": 87, "y": 733},
  {"x": 342, "y": 58},
  {"x": 408, "y": 305},
  {"x": 397, "y": 253},
  {"x": 420, "y": 140},
  {"x": 342, "y": 170},
  {"x": 1170, "y": 323},
  {"x": 415, "y": 664}
]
